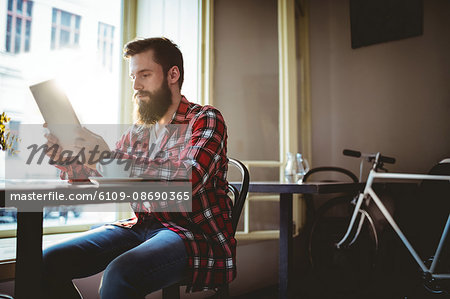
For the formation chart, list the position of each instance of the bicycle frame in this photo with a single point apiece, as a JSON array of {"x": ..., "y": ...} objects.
[{"x": 370, "y": 193}]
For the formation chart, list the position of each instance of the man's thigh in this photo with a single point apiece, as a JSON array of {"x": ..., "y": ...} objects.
[
  {"x": 88, "y": 253},
  {"x": 158, "y": 262}
]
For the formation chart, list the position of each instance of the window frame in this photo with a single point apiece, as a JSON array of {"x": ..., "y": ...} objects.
[
  {"x": 73, "y": 29},
  {"x": 11, "y": 34},
  {"x": 122, "y": 211},
  {"x": 105, "y": 44}
]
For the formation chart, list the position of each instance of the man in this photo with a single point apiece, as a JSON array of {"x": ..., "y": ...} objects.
[{"x": 154, "y": 250}]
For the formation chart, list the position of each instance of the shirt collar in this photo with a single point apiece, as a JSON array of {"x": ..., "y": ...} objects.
[{"x": 180, "y": 114}]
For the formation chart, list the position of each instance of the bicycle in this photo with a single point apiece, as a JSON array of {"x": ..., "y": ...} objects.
[{"x": 348, "y": 244}]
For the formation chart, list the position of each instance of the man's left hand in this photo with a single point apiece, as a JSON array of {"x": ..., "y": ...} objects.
[{"x": 94, "y": 146}]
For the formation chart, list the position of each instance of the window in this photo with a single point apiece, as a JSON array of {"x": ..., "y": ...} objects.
[
  {"x": 105, "y": 45},
  {"x": 71, "y": 60},
  {"x": 178, "y": 21},
  {"x": 18, "y": 26},
  {"x": 65, "y": 29}
]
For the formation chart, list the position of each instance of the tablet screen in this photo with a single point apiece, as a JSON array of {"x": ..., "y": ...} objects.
[
  {"x": 57, "y": 111},
  {"x": 53, "y": 103}
]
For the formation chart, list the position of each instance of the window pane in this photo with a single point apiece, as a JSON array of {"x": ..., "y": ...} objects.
[
  {"x": 29, "y": 8},
  {"x": 8, "y": 33},
  {"x": 27, "y": 36},
  {"x": 8, "y": 43},
  {"x": 77, "y": 39},
  {"x": 17, "y": 44},
  {"x": 177, "y": 20},
  {"x": 64, "y": 38},
  {"x": 253, "y": 128},
  {"x": 9, "y": 25},
  {"x": 65, "y": 18},
  {"x": 27, "y": 44},
  {"x": 19, "y": 6},
  {"x": 53, "y": 38},
  {"x": 18, "y": 35},
  {"x": 98, "y": 35},
  {"x": 77, "y": 22},
  {"x": 28, "y": 29},
  {"x": 54, "y": 13},
  {"x": 18, "y": 26},
  {"x": 10, "y": 5}
]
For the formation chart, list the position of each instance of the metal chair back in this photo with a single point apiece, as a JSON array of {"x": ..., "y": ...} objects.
[{"x": 239, "y": 195}]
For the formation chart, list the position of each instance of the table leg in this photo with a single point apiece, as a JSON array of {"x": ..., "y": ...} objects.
[
  {"x": 285, "y": 267},
  {"x": 28, "y": 282}
]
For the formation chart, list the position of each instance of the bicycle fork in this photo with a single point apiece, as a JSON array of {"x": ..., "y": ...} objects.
[
  {"x": 355, "y": 215},
  {"x": 352, "y": 223}
]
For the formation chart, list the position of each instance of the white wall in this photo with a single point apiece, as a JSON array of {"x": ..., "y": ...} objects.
[{"x": 392, "y": 97}]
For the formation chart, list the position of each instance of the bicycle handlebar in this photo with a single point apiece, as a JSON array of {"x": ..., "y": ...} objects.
[
  {"x": 351, "y": 153},
  {"x": 370, "y": 157}
]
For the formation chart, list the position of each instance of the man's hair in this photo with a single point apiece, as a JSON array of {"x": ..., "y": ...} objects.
[{"x": 166, "y": 53}]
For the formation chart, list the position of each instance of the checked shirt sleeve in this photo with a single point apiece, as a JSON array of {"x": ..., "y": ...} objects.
[
  {"x": 76, "y": 172},
  {"x": 207, "y": 146}
]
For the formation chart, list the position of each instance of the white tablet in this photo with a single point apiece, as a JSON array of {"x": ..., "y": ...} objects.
[
  {"x": 53, "y": 103},
  {"x": 56, "y": 109}
]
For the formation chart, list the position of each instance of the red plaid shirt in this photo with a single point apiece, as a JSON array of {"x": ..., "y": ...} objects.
[{"x": 207, "y": 230}]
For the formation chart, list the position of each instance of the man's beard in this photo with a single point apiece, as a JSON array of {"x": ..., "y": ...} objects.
[{"x": 153, "y": 109}]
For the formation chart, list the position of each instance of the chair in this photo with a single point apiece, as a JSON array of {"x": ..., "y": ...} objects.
[
  {"x": 173, "y": 291},
  {"x": 330, "y": 168},
  {"x": 309, "y": 201}
]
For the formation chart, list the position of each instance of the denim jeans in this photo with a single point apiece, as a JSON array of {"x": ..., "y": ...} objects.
[{"x": 137, "y": 261}]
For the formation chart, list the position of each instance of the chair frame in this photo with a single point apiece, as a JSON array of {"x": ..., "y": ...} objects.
[
  {"x": 309, "y": 201},
  {"x": 173, "y": 291},
  {"x": 331, "y": 168}
]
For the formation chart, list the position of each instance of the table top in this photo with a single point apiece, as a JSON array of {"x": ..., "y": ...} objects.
[
  {"x": 305, "y": 188},
  {"x": 257, "y": 187}
]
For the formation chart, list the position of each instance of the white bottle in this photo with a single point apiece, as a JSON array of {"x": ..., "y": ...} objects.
[
  {"x": 302, "y": 168},
  {"x": 290, "y": 168}
]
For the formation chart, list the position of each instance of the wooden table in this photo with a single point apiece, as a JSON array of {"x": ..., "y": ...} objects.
[{"x": 286, "y": 191}]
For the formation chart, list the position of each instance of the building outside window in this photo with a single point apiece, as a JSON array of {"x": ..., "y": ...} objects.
[
  {"x": 105, "y": 44},
  {"x": 65, "y": 29},
  {"x": 66, "y": 36},
  {"x": 62, "y": 47},
  {"x": 18, "y": 26}
]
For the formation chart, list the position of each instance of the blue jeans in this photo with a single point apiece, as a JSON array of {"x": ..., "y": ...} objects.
[{"x": 136, "y": 261}]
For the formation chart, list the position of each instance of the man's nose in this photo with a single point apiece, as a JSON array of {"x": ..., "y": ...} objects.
[{"x": 137, "y": 85}]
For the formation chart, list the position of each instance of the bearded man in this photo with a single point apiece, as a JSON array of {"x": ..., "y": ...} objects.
[{"x": 154, "y": 250}]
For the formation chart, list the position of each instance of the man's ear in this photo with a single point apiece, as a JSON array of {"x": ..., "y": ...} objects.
[{"x": 173, "y": 75}]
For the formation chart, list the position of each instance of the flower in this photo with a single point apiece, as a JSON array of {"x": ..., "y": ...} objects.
[{"x": 6, "y": 138}]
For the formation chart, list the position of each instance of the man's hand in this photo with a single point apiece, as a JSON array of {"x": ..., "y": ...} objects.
[
  {"x": 93, "y": 145},
  {"x": 54, "y": 153}
]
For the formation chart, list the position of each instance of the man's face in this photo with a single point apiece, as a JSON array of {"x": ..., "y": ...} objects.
[{"x": 151, "y": 89}]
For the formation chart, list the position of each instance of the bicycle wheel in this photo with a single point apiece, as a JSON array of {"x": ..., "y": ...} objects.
[{"x": 347, "y": 269}]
